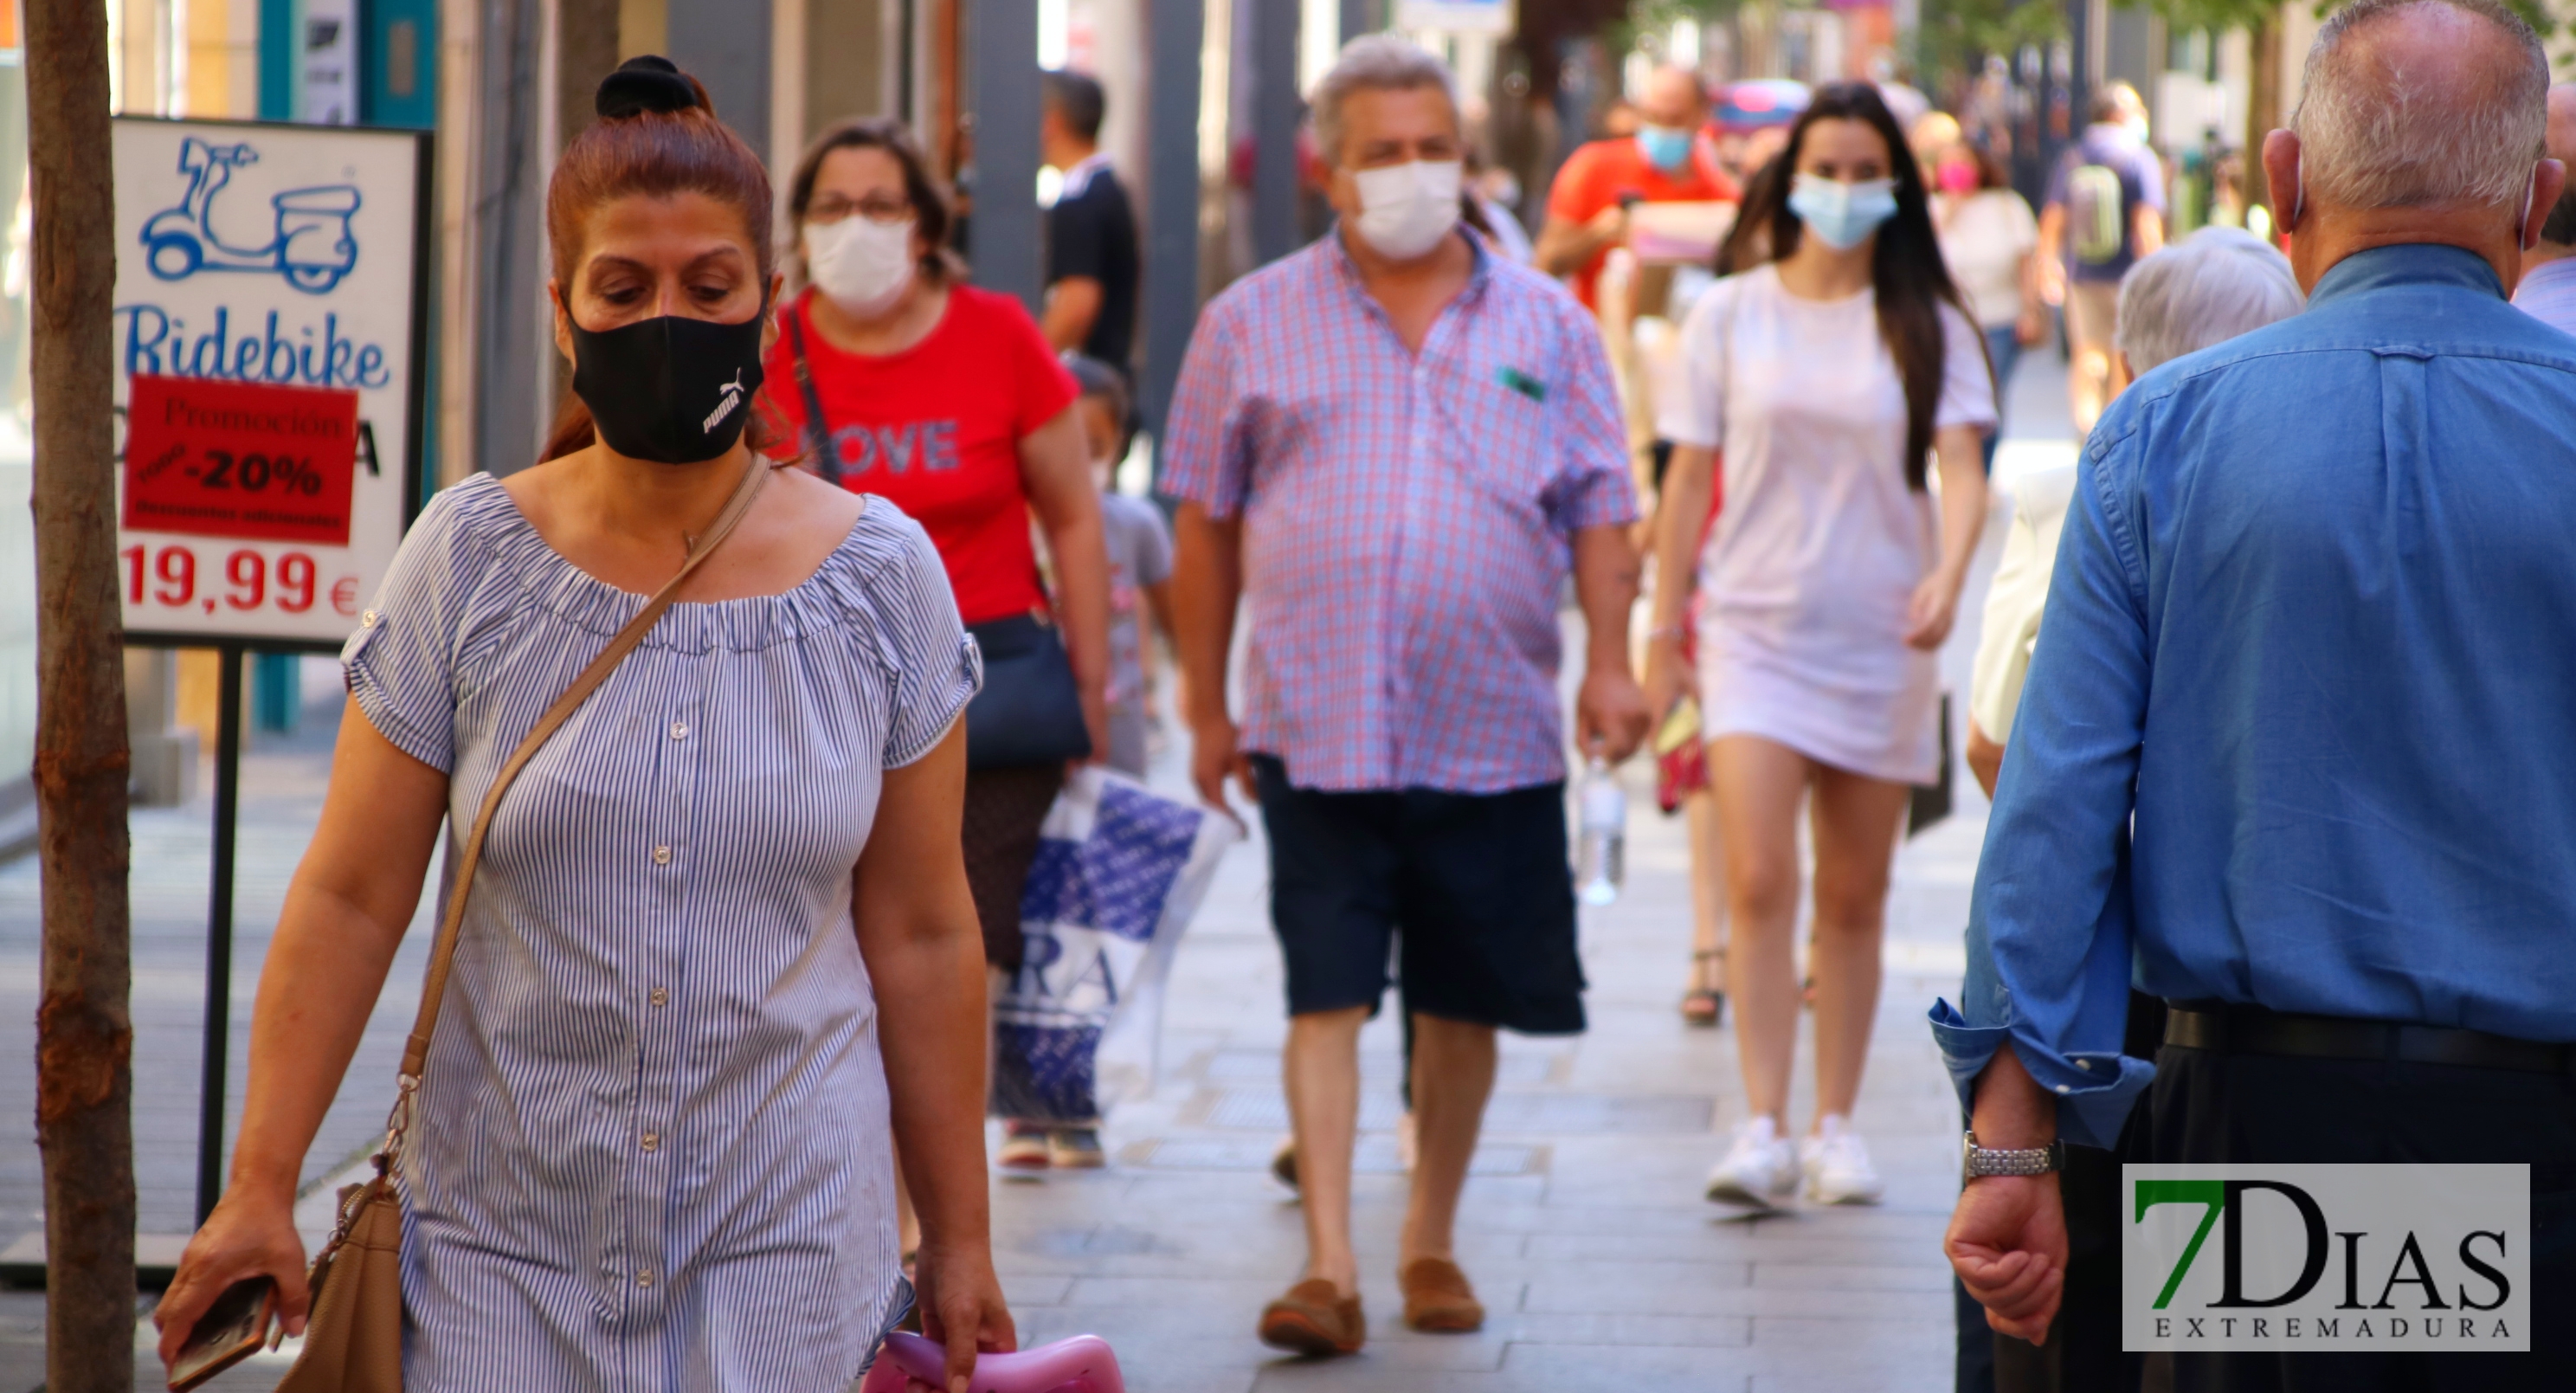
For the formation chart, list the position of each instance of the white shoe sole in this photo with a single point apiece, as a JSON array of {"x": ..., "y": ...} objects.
[
  {"x": 1728, "y": 1189},
  {"x": 1821, "y": 1194}
]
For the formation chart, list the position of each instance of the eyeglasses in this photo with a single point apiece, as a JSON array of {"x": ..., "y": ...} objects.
[{"x": 884, "y": 212}]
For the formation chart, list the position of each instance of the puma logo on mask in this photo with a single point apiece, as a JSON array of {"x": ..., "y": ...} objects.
[{"x": 732, "y": 399}]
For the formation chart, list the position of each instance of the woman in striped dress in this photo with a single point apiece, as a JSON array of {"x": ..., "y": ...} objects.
[{"x": 721, "y": 942}]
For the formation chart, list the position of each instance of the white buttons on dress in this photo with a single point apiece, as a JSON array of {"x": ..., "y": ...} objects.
[
  {"x": 679, "y": 730},
  {"x": 643, "y": 1276},
  {"x": 367, "y": 620},
  {"x": 661, "y": 856},
  {"x": 2062, "y": 1088},
  {"x": 2084, "y": 1064},
  {"x": 651, "y": 1141},
  {"x": 659, "y": 996}
]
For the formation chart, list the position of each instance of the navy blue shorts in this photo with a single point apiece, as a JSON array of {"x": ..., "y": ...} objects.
[{"x": 1469, "y": 892}]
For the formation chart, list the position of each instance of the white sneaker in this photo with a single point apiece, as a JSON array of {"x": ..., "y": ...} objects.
[
  {"x": 1837, "y": 1166},
  {"x": 1759, "y": 1171}
]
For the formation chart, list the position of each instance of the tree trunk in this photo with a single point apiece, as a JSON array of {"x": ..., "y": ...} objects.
[
  {"x": 2262, "y": 110},
  {"x": 84, "y": 1036}
]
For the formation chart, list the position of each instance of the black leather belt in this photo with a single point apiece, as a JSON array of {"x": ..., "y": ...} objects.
[{"x": 2229, "y": 1029}]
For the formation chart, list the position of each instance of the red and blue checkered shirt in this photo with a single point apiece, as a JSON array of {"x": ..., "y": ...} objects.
[{"x": 1408, "y": 519}]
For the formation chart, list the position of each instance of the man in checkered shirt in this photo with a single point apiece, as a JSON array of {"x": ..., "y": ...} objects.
[{"x": 1394, "y": 446}]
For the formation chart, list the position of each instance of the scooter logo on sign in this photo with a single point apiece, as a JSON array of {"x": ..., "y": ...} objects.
[{"x": 311, "y": 246}]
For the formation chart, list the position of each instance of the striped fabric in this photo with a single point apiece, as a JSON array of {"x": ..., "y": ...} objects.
[
  {"x": 2547, "y": 292},
  {"x": 1407, "y": 520},
  {"x": 653, "y": 1143}
]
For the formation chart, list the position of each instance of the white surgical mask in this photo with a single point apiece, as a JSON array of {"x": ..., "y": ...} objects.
[
  {"x": 861, "y": 266},
  {"x": 1406, "y": 209},
  {"x": 1842, "y": 215}
]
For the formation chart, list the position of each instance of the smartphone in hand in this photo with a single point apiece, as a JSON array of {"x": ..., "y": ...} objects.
[{"x": 230, "y": 1331}]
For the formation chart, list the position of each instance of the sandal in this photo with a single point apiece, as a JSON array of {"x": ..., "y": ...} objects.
[
  {"x": 1438, "y": 1299},
  {"x": 1316, "y": 1320},
  {"x": 1703, "y": 1006}
]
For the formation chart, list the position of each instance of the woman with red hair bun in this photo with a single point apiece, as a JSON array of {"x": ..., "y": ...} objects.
[{"x": 718, "y": 948}]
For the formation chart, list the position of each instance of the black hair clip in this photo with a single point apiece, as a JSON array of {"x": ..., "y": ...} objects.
[{"x": 648, "y": 83}]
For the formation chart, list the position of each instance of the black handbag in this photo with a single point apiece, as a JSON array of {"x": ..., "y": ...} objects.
[{"x": 1029, "y": 711}]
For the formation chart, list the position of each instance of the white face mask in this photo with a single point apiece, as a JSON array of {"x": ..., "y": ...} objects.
[
  {"x": 861, "y": 266},
  {"x": 1406, "y": 209}
]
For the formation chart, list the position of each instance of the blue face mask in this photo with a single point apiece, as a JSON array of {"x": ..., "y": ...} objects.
[
  {"x": 1844, "y": 215},
  {"x": 1667, "y": 148}
]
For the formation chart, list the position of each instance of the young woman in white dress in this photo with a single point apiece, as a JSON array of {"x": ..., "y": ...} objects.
[{"x": 1826, "y": 383}]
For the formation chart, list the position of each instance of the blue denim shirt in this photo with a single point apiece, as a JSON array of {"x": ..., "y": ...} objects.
[{"x": 2300, "y": 728}]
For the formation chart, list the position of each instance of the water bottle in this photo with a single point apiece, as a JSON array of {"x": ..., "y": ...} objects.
[{"x": 1602, "y": 859}]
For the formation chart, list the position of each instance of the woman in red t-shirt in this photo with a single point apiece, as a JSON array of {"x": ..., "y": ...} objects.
[{"x": 945, "y": 401}]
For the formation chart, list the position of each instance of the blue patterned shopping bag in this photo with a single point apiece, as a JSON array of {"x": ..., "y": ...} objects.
[{"x": 1119, "y": 872}]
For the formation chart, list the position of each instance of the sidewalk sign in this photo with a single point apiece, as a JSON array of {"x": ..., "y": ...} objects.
[{"x": 271, "y": 340}]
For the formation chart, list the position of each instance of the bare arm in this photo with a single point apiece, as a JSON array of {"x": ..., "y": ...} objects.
[
  {"x": 1609, "y": 711},
  {"x": 1158, "y": 608},
  {"x": 2052, "y": 254},
  {"x": 1072, "y": 307},
  {"x": 1055, "y": 470},
  {"x": 1565, "y": 246},
  {"x": 2147, "y": 229},
  {"x": 1935, "y": 607},
  {"x": 345, "y": 913},
  {"x": 1679, "y": 511},
  {"x": 1207, "y": 582},
  {"x": 925, "y": 954},
  {"x": 2007, "y": 1238},
  {"x": 1985, "y": 758}
]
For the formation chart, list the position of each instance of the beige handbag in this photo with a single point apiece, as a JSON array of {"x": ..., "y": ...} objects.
[{"x": 353, "y": 1335}]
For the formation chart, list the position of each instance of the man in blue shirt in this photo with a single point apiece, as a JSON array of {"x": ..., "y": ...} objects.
[{"x": 2298, "y": 746}]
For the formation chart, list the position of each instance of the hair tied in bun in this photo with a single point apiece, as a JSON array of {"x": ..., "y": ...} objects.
[{"x": 648, "y": 83}]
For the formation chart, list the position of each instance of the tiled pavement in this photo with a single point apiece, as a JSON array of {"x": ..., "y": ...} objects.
[{"x": 1582, "y": 1226}]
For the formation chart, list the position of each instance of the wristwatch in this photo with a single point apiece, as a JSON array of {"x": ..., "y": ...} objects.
[{"x": 2038, "y": 1160}]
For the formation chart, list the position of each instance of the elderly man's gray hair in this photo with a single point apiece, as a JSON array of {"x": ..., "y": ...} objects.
[
  {"x": 1375, "y": 62},
  {"x": 2392, "y": 124},
  {"x": 2203, "y": 290}
]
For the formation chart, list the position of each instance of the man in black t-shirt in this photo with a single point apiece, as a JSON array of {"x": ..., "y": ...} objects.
[{"x": 1091, "y": 232}]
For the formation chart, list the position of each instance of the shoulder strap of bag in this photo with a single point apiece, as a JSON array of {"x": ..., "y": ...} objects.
[
  {"x": 442, "y": 952},
  {"x": 818, "y": 432}
]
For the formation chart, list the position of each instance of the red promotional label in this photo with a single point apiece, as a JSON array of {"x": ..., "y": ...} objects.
[{"x": 240, "y": 459}]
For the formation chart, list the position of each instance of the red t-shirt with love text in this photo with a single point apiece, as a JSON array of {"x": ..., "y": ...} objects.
[{"x": 936, "y": 430}]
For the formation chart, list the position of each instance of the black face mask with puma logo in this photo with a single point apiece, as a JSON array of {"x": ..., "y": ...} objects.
[{"x": 675, "y": 390}]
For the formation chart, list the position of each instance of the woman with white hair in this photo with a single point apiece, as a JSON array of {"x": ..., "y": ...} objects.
[{"x": 2200, "y": 292}]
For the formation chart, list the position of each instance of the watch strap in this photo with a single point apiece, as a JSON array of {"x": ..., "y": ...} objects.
[{"x": 1985, "y": 1160}]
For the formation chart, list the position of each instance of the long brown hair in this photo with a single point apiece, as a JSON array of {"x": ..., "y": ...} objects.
[
  {"x": 657, "y": 136},
  {"x": 933, "y": 213},
  {"x": 1906, "y": 269}
]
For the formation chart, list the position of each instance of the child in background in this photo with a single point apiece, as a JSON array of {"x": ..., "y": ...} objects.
[{"x": 1140, "y": 565}]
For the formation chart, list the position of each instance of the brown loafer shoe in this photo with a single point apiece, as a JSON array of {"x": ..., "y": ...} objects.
[
  {"x": 1438, "y": 1299},
  {"x": 1313, "y": 1318}
]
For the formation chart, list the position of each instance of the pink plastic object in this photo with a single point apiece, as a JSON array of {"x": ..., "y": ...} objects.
[{"x": 1082, "y": 1364}]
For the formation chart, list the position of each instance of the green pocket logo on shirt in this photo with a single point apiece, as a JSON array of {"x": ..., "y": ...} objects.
[{"x": 1522, "y": 383}]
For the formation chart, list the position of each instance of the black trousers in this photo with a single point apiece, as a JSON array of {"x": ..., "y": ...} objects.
[{"x": 2215, "y": 1108}]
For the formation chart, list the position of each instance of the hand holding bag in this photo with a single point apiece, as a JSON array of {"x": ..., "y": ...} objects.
[{"x": 353, "y": 1337}]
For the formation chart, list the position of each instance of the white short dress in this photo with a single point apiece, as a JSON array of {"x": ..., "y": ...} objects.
[
  {"x": 1819, "y": 544},
  {"x": 652, "y": 1152}
]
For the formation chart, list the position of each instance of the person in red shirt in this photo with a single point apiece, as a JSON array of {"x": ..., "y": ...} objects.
[
  {"x": 945, "y": 401},
  {"x": 1664, "y": 162}
]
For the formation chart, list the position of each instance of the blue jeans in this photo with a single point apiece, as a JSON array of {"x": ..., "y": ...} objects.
[{"x": 2003, "y": 345}]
